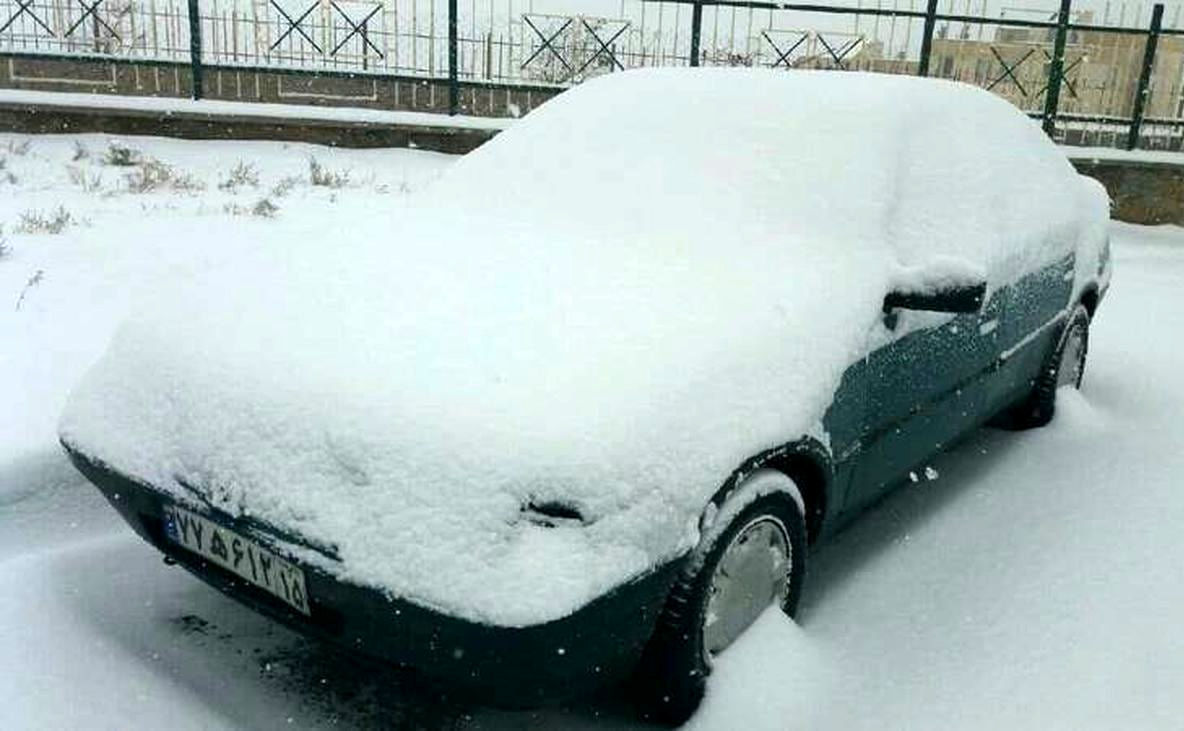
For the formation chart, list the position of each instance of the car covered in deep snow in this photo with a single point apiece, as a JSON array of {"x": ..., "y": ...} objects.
[{"x": 578, "y": 410}]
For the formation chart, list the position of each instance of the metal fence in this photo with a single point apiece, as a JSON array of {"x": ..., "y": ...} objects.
[{"x": 1078, "y": 65}]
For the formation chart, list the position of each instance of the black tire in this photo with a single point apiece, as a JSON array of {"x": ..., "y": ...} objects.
[
  {"x": 671, "y": 676},
  {"x": 1064, "y": 366}
]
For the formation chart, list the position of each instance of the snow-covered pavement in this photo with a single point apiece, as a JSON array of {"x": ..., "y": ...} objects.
[{"x": 1035, "y": 583}]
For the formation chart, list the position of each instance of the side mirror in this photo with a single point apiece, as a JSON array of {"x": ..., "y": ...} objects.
[
  {"x": 958, "y": 298},
  {"x": 943, "y": 285}
]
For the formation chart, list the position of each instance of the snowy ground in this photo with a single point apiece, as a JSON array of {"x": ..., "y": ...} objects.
[{"x": 1034, "y": 584}]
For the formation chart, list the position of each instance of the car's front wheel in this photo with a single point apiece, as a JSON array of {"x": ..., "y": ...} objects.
[
  {"x": 1065, "y": 367},
  {"x": 752, "y": 556}
]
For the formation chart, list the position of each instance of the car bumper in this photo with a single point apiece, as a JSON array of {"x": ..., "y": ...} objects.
[{"x": 507, "y": 666}]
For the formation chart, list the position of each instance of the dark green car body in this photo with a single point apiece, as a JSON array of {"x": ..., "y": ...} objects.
[{"x": 921, "y": 392}]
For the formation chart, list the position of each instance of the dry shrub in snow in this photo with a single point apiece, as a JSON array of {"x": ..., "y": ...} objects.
[
  {"x": 33, "y": 282},
  {"x": 5, "y": 249},
  {"x": 6, "y": 175},
  {"x": 263, "y": 208},
  {"x": 19, "y": 148},
  {"x": 80, "y": 152},
  {"x": 121, "y": 155},
  {"x": 88, "y": 183},
  {"x": 284, "y": 186},
  {"x": 242, "y": 174},
  {"x": 148, "y": 177},
  {"x": 403, "y": 187},
  {"x": 36, "y": 222},
  {"x": 153, "y": 175},
  {"x": 324, "y": 177}
]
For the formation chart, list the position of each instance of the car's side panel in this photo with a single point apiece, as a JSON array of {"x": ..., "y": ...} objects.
[
  {"x": 1036, "y": 305},
  {"x": 915, "y": 396},
  {"x": 844, "y": 423},
  {"x": 927, "y": 389},
  {"x": 1036, "y": 298},
  {"x": 924, "y": 390}
]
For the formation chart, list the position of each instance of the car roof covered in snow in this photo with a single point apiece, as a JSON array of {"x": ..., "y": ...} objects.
[{"x": 758, "y": 157}]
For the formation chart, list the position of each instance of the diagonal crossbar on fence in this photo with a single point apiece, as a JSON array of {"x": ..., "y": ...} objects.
[
  {"x": 24, "y": 7},
  {"x": 356, "y": 29},
  {"x": 843, "y": 51},
  {"x": 91, "y": 11},
  {"x": 547, "y": 43},
  {"x": 294, "y": 26},
  {"x": 604, "y": 47},
  {"x": 783, "y": 56},
  {"x": 1009, "y": 70},
  {"x": 1069, "y": 83}
]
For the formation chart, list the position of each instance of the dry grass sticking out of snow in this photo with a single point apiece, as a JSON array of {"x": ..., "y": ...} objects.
[
  {"x": 324, "y": 177},
  {"x": 243, "y": 174},
  {"x": 263, "y": 208},
  {"x": 89, "y": 182},
  {"x": 151, "y": 175},
  {"x": 52, "y": 222}
]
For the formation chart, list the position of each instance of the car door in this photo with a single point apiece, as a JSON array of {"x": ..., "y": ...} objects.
[
  {"x": 1035, "y": 309},
  {"x": 936, "y": 378},
  {"x": 924, "y": 389}
]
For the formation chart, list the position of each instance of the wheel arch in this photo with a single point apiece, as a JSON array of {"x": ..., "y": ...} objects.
[{"x": 806, "y": 461}]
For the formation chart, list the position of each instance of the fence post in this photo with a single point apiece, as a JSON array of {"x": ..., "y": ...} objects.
[
  {"x": 195, "y": 50},
  {"x": 453, "y": 84},
  {"x": 927, "y": 38},
  {"x": 1056, "y": 69},
  {"x": 696, "y": 29},
  {"x": 1141, "y": 94}
]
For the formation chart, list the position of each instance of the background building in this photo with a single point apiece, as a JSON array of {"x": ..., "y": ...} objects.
[{"x": 1101, "y": 69}]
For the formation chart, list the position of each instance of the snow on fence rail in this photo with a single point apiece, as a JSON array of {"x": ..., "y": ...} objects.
[{"x": 1086, "y": 67}]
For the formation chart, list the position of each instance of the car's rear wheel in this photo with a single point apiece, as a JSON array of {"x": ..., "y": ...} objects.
[
  {"x": 748, "y": 560},
  {"x": 1065, "y": 366}
]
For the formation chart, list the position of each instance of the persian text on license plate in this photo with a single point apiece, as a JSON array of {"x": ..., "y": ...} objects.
[{"x": 239, "y": 555}]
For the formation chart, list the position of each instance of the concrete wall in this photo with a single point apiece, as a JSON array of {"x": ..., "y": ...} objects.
[
  {"x": 69, "y": 118},
  {"x": 1142, "y": 191},
  {"x": 100, "y": 76}
]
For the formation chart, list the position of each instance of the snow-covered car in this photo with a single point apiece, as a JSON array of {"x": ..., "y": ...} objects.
[{"x": 576, "y": 412}]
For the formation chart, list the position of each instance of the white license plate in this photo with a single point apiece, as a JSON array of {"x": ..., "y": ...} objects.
[{"x": 242, "y": 556}]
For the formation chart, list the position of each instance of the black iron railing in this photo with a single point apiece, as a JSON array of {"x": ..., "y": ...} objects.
[{"x": 1066, "y": 67}]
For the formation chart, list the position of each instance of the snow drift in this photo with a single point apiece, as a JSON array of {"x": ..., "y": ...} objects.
[{"x": 611, "y": 305}]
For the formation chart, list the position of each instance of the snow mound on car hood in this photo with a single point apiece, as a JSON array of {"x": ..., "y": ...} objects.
[{"x": 613, "y": 304}]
